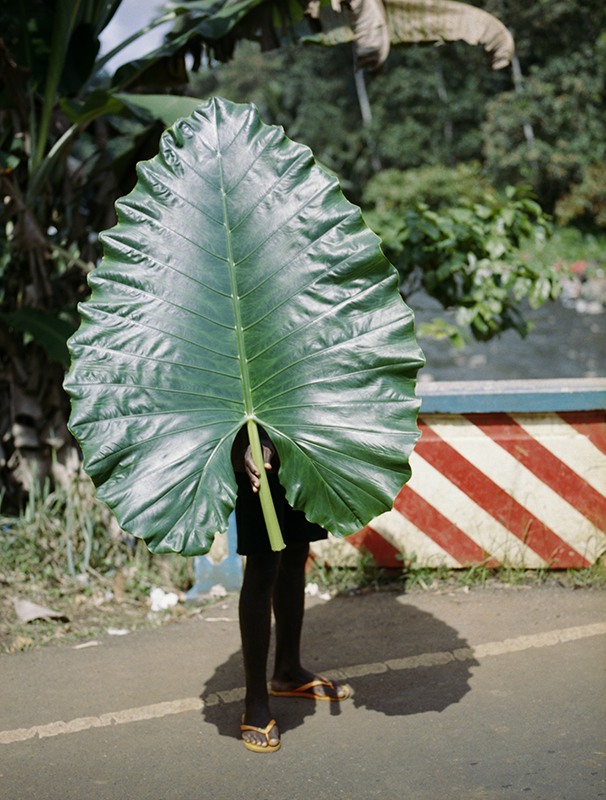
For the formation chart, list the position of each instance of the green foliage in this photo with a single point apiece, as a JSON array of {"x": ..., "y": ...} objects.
[
  {"x": 428, "y": 105},
  {"x": 469, "y": 258},
  {"x": 585, "y": 204},
  {"x": 565, "y": 248},
  {"x": 310, "y": 91},
  {"x": 563, "y": 103},
  {"x": 593, "y": 577},
  {"x": 61, "y": 533},
  {"x": 443, "y": 105},
  {"x": 69, "y": 142},
  {"x": 545, "y": 29},
  {"x": 435, "y": 186},
  {"x": 71, "y": 132},
  {"x": 49, "y": 329},
  {"x": 64, "y": 551},
  {"x": 240, "y": 288},
  {"x": 365, "y": 574}
]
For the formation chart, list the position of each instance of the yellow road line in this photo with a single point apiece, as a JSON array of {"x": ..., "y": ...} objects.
[{"x": 168, "y": 708}]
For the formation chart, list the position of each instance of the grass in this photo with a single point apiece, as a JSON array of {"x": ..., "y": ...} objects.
[
  {"x": 366, "y": 575},
  {"x": 65, "y": 552},
  {"x": 65, "y": 538}
]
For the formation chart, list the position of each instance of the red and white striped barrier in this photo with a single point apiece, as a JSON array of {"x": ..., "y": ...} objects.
[
  {"x": 524, "y": 488},
  {"x": 506, "y": 473}
]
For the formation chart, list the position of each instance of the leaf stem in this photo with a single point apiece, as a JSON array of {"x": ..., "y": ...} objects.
[{"x": 267, "y": 504}]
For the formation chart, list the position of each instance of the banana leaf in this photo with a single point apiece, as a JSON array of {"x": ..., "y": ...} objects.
[
  {"x": 449, "y": 21},
  {"x": 240, "y": 288},
  {"x": 373, "y": 26}
]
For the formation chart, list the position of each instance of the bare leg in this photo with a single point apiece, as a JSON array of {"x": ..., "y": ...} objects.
[{"x": 255, "y": 626}]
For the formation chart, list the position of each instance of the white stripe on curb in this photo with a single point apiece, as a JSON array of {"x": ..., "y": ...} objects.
[
  {"x": 519, "y": 482},
  {"x": 486, "y": 531},
  {"x": 571, "y": 447}
]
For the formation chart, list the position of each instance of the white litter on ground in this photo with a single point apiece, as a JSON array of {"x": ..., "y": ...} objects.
[
  {"x": 161, "y": 600},
  {"x": 313, "y": 590}
]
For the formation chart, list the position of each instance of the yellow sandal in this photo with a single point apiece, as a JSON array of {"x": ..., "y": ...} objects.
[{"x": 260, "y": 748}]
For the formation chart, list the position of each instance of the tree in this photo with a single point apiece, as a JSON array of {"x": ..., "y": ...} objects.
[
  {"x": 323, "y": 113},
  {"x": 70, "y": 135},
  {"x": 411, "y": 124},
  {"x": 560, "y": 95},
  {"x": 376, "y": 29},
  {"x": 563, "y": 101},
  {"x": 68, "y": 145},
  {"x": 372, "y": 26},
  {"x": 466, "y": 255}
]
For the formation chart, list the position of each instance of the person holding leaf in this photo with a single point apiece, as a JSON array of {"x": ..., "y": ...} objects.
[
  {"x": 272, "y": 579},
  {"x": 239, "y": 286}
]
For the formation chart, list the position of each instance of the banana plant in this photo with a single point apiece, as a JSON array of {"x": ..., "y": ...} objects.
[
  {"x": 67, "y": 145},
  {"x": 240, "y": 288},
  {"x": 373, "y": 26}
]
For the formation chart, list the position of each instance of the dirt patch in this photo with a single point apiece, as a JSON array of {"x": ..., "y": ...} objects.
[
  {"x": 86, "y": 613},
  {"x": 79, "y": 616}
]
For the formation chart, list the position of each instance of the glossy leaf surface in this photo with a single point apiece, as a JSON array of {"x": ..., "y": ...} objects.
[{"x": 240, "y": 284}]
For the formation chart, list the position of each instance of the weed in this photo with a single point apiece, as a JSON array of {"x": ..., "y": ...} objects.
[
  {"x": 423, "y": 577},
  {"x": 66, "y": 541},
  {"x": 65, "y": 551},
  {"x": 593, "y": 577},
  {"x": 365, "y": 574}
]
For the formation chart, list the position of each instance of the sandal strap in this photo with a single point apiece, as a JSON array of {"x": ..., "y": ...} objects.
[
  {"x": 265, "y": 731},
  {"x": 319, "y": 681}
]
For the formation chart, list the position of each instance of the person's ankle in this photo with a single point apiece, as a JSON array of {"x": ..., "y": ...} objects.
[{"x": 257, "y": 712}]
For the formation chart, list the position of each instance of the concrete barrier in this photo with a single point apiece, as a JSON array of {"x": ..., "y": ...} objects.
[{"x": 506, "y": 473}]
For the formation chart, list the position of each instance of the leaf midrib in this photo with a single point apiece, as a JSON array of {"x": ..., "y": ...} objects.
[{"x": 242, "y": 360}]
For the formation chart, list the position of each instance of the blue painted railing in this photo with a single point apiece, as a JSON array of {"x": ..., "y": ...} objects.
[{"x": 531, "y": 396}]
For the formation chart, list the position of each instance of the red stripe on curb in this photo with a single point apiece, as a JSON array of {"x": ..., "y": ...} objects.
[
  {"x": 569, "y": 485},
  {"x": 496, "y": 501},
  {"x": 591, "y": 424},
  {"x": 383, "y": 552},
  {"x": 443, "y": 531}
]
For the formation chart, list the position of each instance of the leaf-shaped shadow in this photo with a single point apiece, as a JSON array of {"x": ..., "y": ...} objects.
[
  {"x": 375, "y": 642},
  {"x": 239, "y": 284}
]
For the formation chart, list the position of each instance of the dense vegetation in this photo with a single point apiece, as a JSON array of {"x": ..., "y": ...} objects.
[
  {"x": 430, "y": 160},
  {"x": 434, "y": 157},
  {"x": 540, "y": 123},
  {"x": 454, "y": 164}
]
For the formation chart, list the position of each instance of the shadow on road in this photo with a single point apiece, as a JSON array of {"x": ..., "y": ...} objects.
[{"x": 364, "y": 632}]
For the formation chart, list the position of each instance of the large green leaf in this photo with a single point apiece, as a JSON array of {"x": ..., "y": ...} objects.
[{"x": 240, "y": 286}]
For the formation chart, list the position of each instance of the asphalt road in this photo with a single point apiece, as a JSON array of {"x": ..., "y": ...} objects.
[{"x": 494, "y": 693}]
